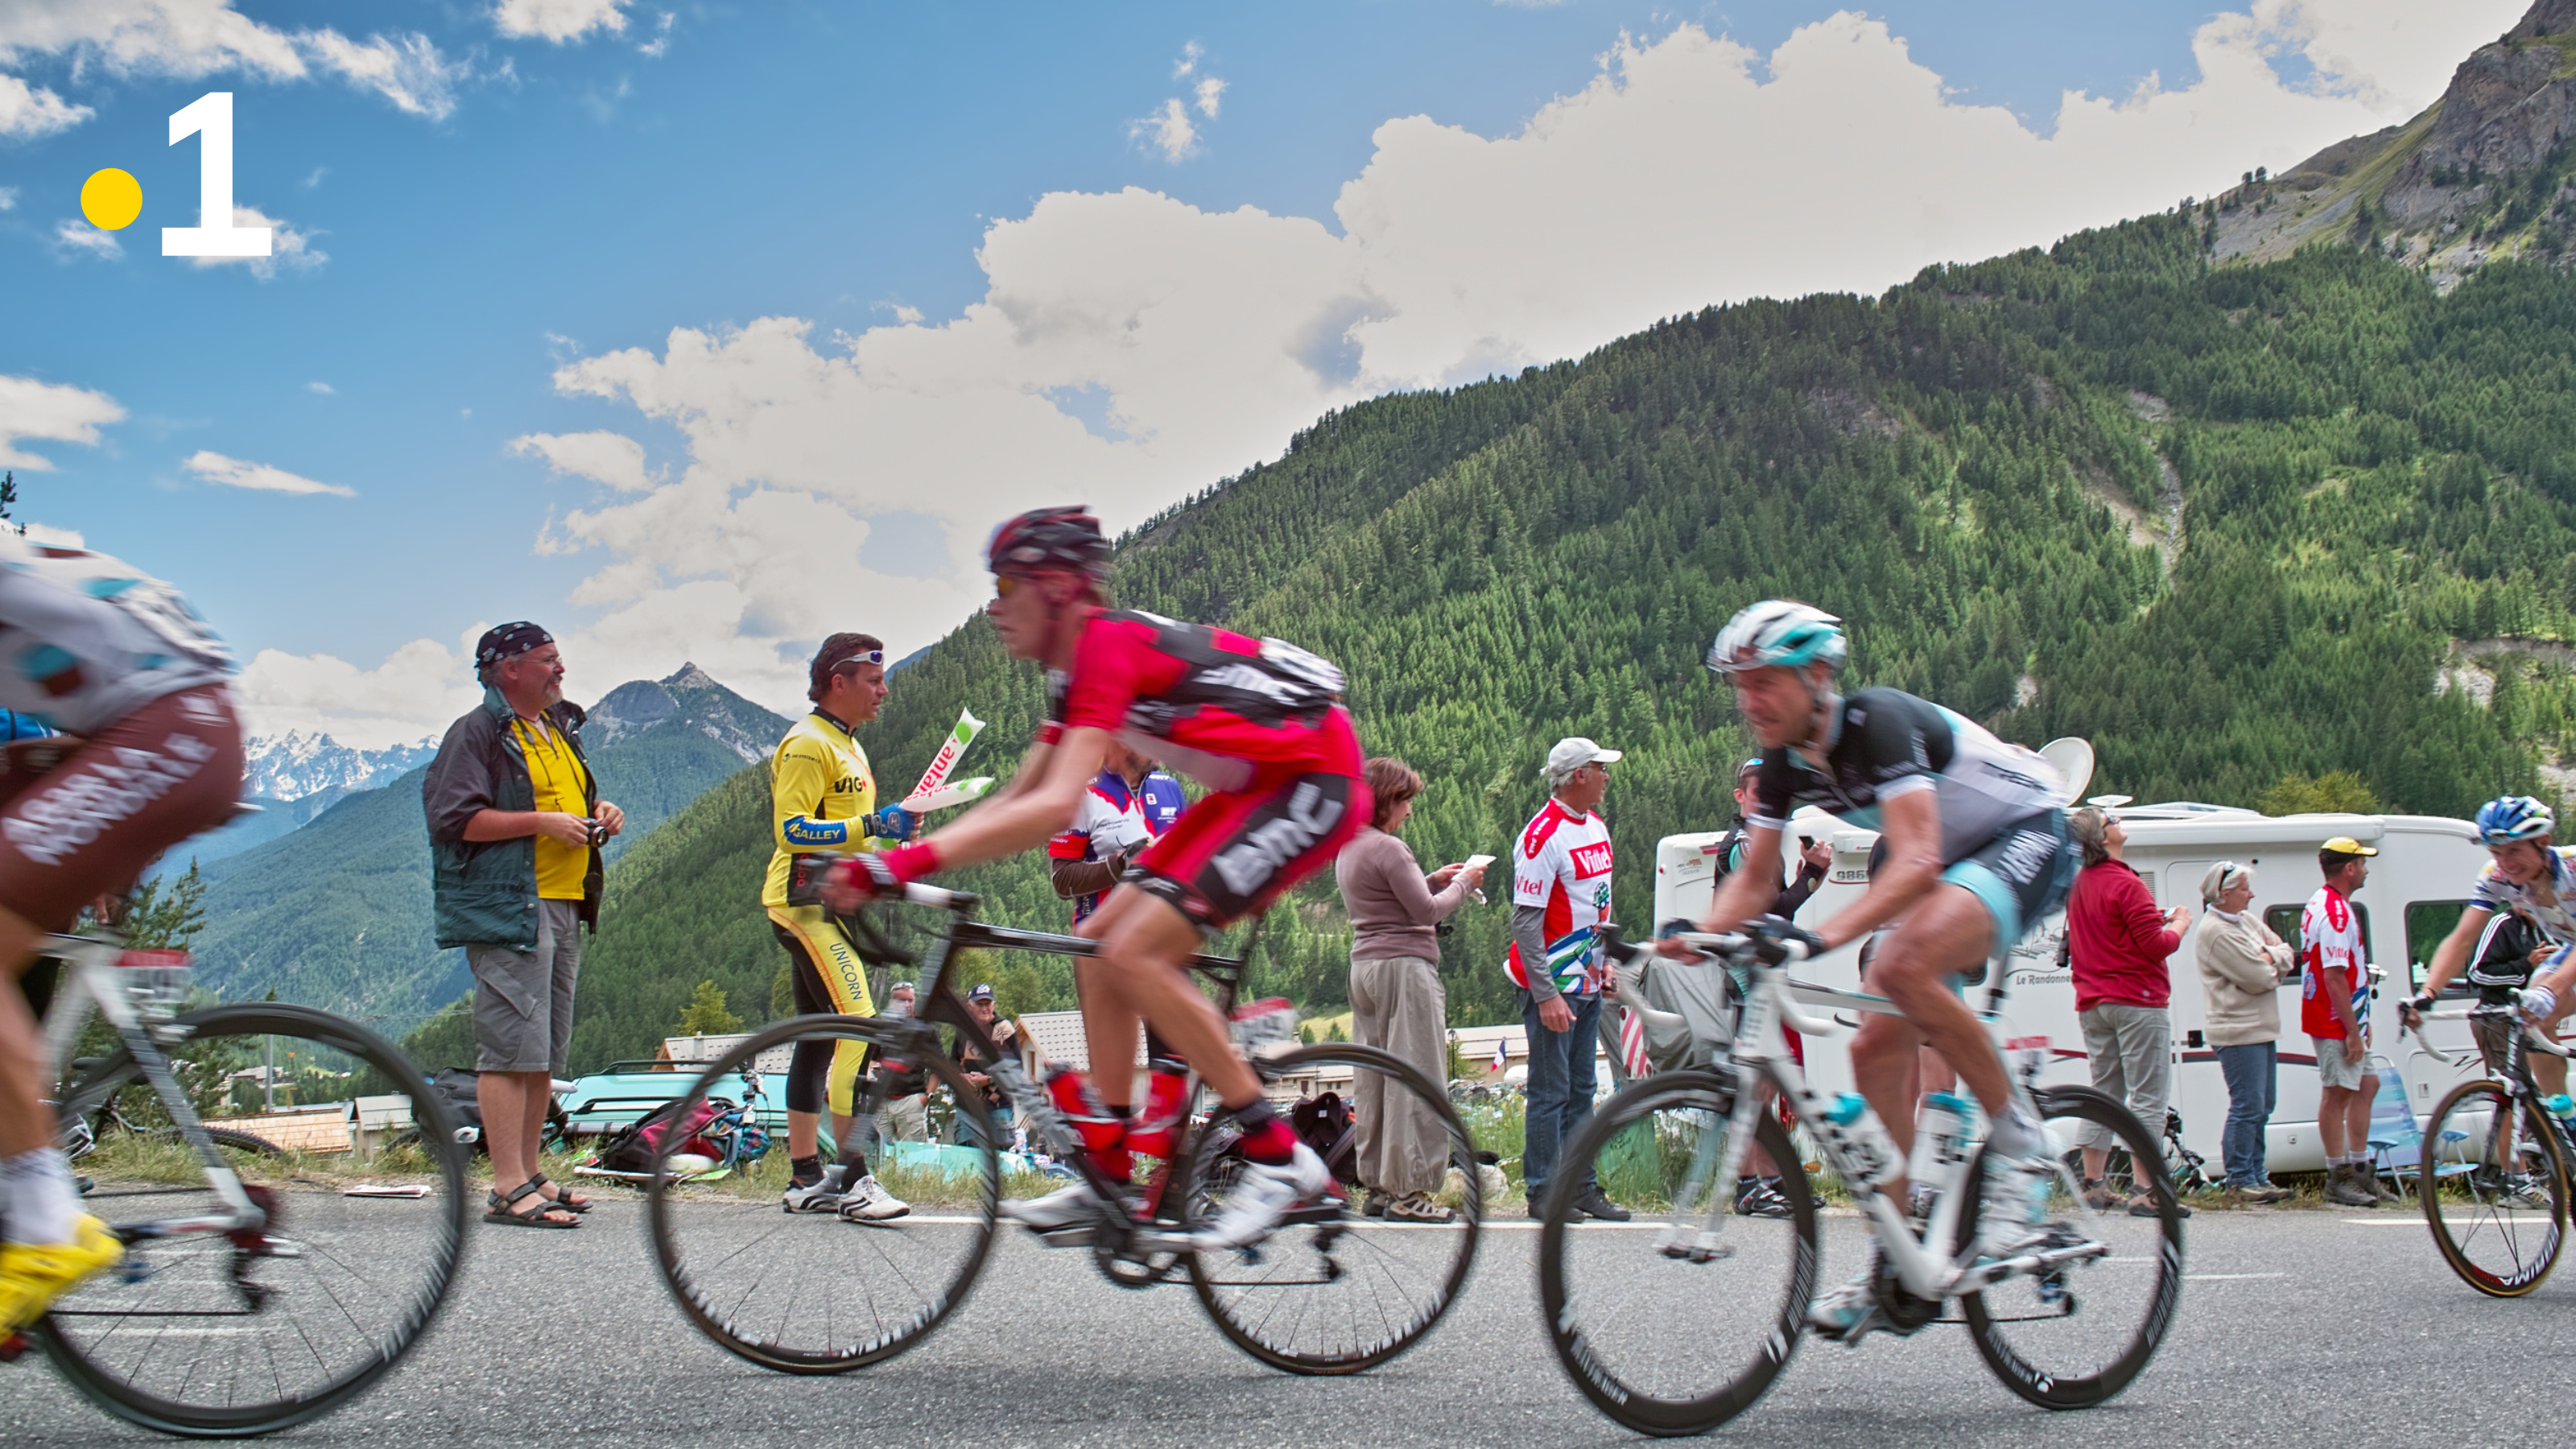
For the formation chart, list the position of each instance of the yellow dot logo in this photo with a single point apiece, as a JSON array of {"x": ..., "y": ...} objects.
[{"x": 111, "y": 199}]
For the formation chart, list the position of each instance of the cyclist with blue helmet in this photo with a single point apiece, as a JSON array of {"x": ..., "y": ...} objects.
[
  {"x": 1977, "y": 851},
  {"x": 2535, "y": 879}
]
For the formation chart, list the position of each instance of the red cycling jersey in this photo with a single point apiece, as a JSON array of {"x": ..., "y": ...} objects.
[
  {"x": 1258, "y": 721},
  {"x": 1208, "y": 703}
]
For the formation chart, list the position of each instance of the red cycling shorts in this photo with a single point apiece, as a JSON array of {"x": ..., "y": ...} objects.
[
  {"x": 91, "y": 825},
  {"x": 1232, "y": 854}
]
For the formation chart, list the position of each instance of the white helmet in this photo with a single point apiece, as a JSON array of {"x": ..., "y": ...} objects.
[{"x": 1777, "y": 631}]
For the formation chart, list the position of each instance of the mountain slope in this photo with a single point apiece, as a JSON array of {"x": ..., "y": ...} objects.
[
  {"x": 2369, "y": 490},
  {"x": 337, "y": 913}
]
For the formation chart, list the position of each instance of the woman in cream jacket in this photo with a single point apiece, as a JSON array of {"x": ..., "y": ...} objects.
[{"x": 2242, "y": 965}]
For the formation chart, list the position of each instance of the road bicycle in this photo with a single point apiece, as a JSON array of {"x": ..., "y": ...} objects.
[
  {"x": 1681, "y": 1320},
  {"x": 2494, "y": 1177},
  {"x": 255, "y": 1293},
  {"x": 1331, "y": 1291}
]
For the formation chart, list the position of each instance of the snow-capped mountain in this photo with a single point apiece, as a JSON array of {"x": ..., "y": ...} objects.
[{"x": 294, "y": 765}]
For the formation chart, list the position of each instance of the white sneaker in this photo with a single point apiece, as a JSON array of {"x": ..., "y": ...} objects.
[
  {"x": 1843, "y": 1309},
  {"x": 823, "y": 1195},
  {"x": 869, "y": 1202},
  {"x": 2015, "y": 1205},
  {"x": 1061, "y": 1208},
  {"x": 1261, "y": 1195}
]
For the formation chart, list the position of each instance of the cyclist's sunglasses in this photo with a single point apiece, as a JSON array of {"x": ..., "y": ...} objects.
[
  {"x": 1005, "y": 585},
  {"x": 864, "y": 656}
]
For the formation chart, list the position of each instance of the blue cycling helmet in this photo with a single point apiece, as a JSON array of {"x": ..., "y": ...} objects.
[
  {"x": 2508, "y": 818},
  {"x": 1777, "y": 631}
]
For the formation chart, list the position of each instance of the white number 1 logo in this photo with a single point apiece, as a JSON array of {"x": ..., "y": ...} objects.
[{"x": 210, "y": 118}]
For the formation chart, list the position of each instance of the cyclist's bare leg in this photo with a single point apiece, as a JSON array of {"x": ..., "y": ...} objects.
[
  {"x": 26, "y": 1123},
  {"x": 2547, "y": 1072},
  {"x": 1141, "y": 971},
  {"x": 1950, "y": 931}
]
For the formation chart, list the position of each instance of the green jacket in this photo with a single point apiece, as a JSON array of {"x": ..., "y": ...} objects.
[{"x": 485, "y": 892}]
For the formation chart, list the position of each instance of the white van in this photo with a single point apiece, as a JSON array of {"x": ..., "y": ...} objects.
[{"x": 2418, "y": 884}]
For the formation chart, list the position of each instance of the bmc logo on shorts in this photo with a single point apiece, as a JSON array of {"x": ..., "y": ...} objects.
[{"x": 1249, "y": 864}]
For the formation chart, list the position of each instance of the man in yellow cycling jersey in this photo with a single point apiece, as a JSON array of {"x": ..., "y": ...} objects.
[{"x": 823, "y": 796}]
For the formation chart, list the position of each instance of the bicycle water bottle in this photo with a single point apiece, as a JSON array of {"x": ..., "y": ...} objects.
[
  {"x": 1941, "y": 1141},
  {"x": 2562, "y": 1107}
]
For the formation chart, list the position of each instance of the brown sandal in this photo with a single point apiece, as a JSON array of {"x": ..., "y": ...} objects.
[
  {"x": 497, "y": 1209},
  {"x": 563, "y": 1197}
]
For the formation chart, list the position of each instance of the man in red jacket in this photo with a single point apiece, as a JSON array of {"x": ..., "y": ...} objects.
[{"x": 2117, "y": 942}]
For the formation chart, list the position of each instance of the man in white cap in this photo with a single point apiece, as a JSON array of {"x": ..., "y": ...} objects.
[{"x": 1560, "y": 893}]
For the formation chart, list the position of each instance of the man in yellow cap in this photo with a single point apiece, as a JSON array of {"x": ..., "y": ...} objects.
[{"x": 2331, "y": 987}]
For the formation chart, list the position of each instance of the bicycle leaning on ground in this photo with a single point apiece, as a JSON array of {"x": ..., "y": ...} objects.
[
  {"x": 242, "y": 1306},
  {"x": 1331, "y": 1291},
  {"x": 2495, "y": 1160},
  {"x": 1676, "y": 1323}
]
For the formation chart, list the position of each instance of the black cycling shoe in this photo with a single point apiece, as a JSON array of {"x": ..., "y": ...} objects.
[{"x": 1757, "y": 1197}]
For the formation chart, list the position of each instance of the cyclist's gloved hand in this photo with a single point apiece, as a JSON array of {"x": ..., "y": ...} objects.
[
  {"x": 2419, "y": 1003},
  {"x": 1775, "y": 933},
  {"x": 2539, "y": 1002},
  {"x": 854, "y": 882},
  {"x": 894, "y": 823},
  {"x": 1675, "y": 927}
]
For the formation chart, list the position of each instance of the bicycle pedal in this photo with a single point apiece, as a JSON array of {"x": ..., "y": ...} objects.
[
  {"x": 1699, "y": 1248},
  {"x": 12, "y": 1347},
  {"x": 1077, "y": 1236}
]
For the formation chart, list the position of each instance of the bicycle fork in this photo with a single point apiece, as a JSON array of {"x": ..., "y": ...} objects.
[{"x": 141, "y": 1042}]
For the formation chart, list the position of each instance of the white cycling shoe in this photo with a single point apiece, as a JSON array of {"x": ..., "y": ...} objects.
[
  {"x": 822, "y": 1195},
  {"x": 1262, "y": 1195},
  {"x": 1062, "y": 1208},
  {"x": 1841, "y": 1311},
  {"x": 2014, "y": 1210},
  {"x": 867, "y": 1201}
]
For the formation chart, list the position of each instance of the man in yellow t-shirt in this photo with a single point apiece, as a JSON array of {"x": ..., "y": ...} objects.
[{"x": 823, "y": 796}]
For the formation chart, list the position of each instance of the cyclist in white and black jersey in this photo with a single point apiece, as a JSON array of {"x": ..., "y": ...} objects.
[
  {"x": 2528, "y": 877},
  {"x": 1977, "y": 850}
]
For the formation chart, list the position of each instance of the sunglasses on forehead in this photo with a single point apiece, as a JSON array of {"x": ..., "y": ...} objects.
[{"x": 864, "y": 656}]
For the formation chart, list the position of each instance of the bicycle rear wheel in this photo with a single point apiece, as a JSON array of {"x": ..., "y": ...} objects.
[
  {"x": 807, "y": 1293},
  {"x": 227, "y": 1335},
  {"x": 2494, "y": 1189},
  {"x": 1679, "y": 1321},
  {"x": 1334, "y": 1291},
  {"x": 2075, "y": 1336}
]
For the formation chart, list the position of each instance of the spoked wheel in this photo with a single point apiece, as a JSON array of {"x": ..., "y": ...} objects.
[
  {"x": 1334, "y": 1291},
  {"x": 226, "y": 1335},
  {"x": 2494, "y": 1189},
  {"x": 2074, "y": 1336},
  {"x": 1678, "y": 1321},
  {"x": 808, "y": 1292}
]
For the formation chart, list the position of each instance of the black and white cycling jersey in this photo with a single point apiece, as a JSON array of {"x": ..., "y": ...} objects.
[{"x": 1883, "y": 743}]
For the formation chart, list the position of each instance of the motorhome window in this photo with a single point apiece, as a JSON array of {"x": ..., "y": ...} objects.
[
  {"x": 2428, "y": 923},
  {"x": 2284, "y": 921}
]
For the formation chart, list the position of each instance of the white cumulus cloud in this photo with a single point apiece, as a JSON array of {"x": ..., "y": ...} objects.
[
  {"x": 290, "y": 248},
  {"x": 188, "y": 39},
  {"x": 560, "y": 20},
  {"x": 74, "y": 237},
  {"x": 1168, "y": 131},
  {"x": 56, "y": 412},
  {"x": 1209, "y": 93},
  {"x": 324, "y": 388},
  {"x": 234, "y": 473},
  {"x": 610, "y": 458},
  {"x": 418, "y": 688},
  {"x": 27, "y": 111}
]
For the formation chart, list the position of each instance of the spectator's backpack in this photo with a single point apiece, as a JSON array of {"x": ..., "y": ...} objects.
[
  {"x": 715, "y": 1129},
  {"x": 1324, "y": 1123},
  {"x": 458, "y": 1088}
]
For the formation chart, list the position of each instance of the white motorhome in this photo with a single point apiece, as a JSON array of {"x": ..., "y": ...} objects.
[{"x": 2418, "y": 884}]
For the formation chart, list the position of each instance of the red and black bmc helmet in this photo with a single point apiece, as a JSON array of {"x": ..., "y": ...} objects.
[{"x": 1049, "y": 538}]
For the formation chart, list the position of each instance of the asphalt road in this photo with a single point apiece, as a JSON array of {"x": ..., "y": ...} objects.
[{"x": 2295, "y": 1327}]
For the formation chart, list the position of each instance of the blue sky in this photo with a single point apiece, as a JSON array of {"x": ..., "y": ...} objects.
[{"x": 477, "y": 210}]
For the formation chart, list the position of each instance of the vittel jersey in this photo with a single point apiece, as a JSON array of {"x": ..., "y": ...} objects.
[
  {"x": 2331, "y": 958},
  {"x": 1561, "y": 863}
]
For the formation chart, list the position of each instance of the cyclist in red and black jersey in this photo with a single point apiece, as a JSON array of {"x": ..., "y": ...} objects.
[{"x": 1257, "y": 721}]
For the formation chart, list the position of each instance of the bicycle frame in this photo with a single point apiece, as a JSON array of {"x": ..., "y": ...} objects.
[
  {"x": 1860, "y": 1153},
  {"x": 136, "y": 1000},
  {"x": 941, "y": 1004}
]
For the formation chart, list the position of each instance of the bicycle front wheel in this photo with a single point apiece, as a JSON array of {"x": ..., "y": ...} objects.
[
  {"x": 808, "y": 1292},
  {"x": 1680, "y": 1320},
  {"x": 2077, "y": 1334},
  {"x": 226, "y": 1335},
  {"x": 2494, "y": 1189},
  {"x": 1335, "y": 1291}
]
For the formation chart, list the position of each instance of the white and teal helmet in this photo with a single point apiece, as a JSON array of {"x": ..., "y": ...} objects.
[{"x": 1777, "y": 631}]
